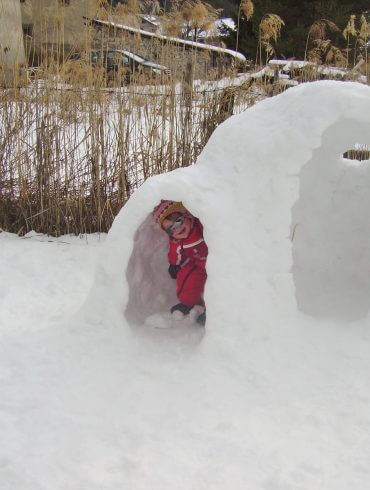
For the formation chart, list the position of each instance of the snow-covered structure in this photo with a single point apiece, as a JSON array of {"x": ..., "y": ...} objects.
[
  {"x": 286, "y": 217},
  {"x": 182, "y": 56}
]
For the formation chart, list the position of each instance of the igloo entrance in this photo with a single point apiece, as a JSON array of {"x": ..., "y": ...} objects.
[
  {"x": 331, "y": 230},
  {"x": 151, "y": 290},
  {"x": 166, "y": 272}
]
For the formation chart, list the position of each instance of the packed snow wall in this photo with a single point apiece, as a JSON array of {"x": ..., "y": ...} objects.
[
  {"x": 331, "y": 228},
  {"x": 280, "y": 207}
]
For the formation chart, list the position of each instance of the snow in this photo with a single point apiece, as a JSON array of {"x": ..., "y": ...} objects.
[
  {"x": 215, "y": 29},
  {"x": 274, "y": 392},
  {"x": 225, "y": 22},
  {"x": 330, "y": 71},
  {"x": 274, "y": 62},
  {"x": 290, "y": 65},
  {"x": 266, "y": 71},
  {"x": 41, "y": 282},
  {"x": 141, "y": 60}
]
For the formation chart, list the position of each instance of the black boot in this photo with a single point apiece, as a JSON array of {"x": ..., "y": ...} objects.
[
  {"x": 202, "y": 319},
  {"x": 181, "y": 307}
]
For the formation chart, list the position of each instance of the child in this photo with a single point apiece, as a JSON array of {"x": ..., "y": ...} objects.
[{"x": 187, "y": 255}]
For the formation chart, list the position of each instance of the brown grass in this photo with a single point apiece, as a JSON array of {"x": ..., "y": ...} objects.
[
  {"x": 269, "y": 31},
  {"x": 71, "y": 155}
]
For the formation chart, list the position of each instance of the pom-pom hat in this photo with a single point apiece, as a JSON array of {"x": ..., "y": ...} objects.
[{"x": 166, "y": 208}]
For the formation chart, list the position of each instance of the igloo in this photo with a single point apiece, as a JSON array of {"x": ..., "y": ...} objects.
[{"x": 286, "y": 218}]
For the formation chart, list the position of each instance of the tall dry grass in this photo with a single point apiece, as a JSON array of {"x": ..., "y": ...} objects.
[
  {"x": 71, "y": 155},
  {"x": 76, "y": 141},
  {"x": 269, "y": 32}
]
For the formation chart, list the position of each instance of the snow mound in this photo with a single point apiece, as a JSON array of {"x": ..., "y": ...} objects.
[{"x": 285, "y": 217}]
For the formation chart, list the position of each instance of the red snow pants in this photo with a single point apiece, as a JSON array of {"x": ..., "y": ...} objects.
[{"x": 190, "y": 284}]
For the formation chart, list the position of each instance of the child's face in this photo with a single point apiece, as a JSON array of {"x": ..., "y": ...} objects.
[{"x": 178, "y": 225}]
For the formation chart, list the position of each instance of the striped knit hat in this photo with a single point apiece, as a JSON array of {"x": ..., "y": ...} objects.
[{"x": 166, "y": 208}]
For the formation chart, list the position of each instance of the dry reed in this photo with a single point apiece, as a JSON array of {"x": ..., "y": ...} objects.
[
  {"x": 71, "y": 156},
  {"x": 269, "y": 30},
  {"x": 76, "y": 141}
]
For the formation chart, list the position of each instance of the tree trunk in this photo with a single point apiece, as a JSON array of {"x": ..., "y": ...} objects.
[{"x": 12, "y": 55}]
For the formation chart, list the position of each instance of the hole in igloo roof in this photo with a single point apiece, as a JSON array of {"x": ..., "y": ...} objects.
[{"x": 360, "y": 152}]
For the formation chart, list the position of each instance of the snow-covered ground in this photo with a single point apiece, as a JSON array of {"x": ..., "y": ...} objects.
[
  {"x": 274, "y": 393},
  {"x": 43, "y": 279}
]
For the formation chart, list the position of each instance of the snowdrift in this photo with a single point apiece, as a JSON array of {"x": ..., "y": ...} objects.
[{"x": 286, "y": 218}]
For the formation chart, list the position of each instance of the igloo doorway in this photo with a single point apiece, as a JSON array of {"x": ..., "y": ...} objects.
[
  {"x": 151, "y": 290},
  {"x": 331, "y": 230},
  {"x": 166, "y": 272}
]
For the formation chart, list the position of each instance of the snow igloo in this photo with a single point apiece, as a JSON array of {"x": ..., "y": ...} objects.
[{"x": 286, "y": 217}]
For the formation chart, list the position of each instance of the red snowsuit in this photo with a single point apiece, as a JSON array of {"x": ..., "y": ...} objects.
[{"x": 190, "y": 254}]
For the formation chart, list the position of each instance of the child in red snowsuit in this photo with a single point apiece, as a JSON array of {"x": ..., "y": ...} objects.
[{"x": 187, "y": 255}]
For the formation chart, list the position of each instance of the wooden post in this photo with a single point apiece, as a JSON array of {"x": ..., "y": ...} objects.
[{"x": 12, "y": 55}]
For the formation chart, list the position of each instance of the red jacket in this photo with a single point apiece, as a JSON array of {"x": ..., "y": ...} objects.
[{"x": 192, "y": 249}]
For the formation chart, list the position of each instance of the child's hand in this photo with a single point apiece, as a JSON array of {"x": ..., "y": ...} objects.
[{"x": 173, "y": 270}]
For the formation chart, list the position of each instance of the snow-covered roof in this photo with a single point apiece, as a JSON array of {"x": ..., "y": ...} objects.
[
  {"x": 141, "y": 60},
  {"x": 178, "y": 40}
]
